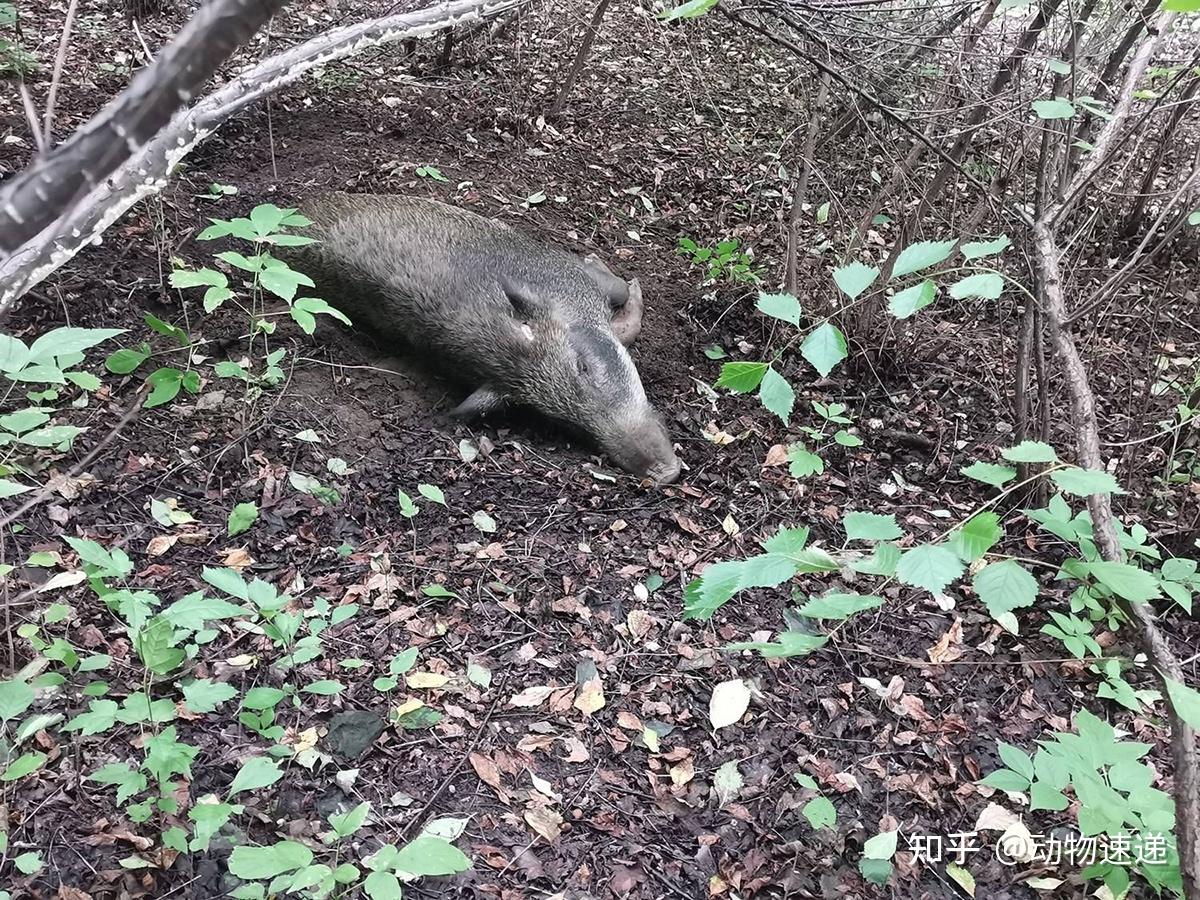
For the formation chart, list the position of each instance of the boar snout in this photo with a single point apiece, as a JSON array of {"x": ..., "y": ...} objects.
[{"x": 645, "y": 450}]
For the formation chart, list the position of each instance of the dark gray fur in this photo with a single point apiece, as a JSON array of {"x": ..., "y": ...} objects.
[{"x": 516, "y": 319}]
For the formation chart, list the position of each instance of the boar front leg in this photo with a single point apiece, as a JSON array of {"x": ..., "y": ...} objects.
[
  {"x": 627, "y": 321},
  {"x": 482, "y": 401}
]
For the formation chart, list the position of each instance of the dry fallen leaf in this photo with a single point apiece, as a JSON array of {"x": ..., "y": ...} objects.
[
  {"x": 730, "y": 700},
  {"x": 532, "y": 696},
  {"x": 160, "y": 544},
  {"x": 949, "y": 645},
  {"x": 545, "y": 822},
  {"x": 590, "y": 697},
  {"x": 425, "y": 680}
]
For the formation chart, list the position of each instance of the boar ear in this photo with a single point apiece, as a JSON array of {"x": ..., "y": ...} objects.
[
  {"x": 482, "y": 401},
  {"x": 627, "y": 321},
  {"x": 524, "y": 300},
  {"x": 614, "y": 289}
]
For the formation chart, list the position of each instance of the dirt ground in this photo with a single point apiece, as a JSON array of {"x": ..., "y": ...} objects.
[{"x": 670, "y": 133}]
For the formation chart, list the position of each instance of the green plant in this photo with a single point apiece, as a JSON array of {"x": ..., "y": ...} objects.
[
  {"x": 725, "y": 260},
  {"x": 15, "y": 60}
]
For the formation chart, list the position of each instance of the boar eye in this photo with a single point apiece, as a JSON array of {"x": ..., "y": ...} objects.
[{"x": 581, "y": 366}]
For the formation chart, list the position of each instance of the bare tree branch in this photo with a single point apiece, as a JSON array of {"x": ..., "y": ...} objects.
[
  {"x": 37, "y": 196},
  {"x": 146, "y": 173}
]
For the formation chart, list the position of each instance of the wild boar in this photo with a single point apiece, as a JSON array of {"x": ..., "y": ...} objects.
[{"x": 518, "y": 320}]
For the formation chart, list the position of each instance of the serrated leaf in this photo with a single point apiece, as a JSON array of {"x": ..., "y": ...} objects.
[
  {"x": 1005, "y": 586},
  {"x": 23, "y": 765},
  {"x": 741, "y": 377},
  {"x": 1125, "y": 580},
  {"x": 929, "y": 566},
  {"x": 1085, "y": 482},
  {"x": 980, "y": 249},
  {"x": 205, "y": 695},
  {"x": 990, "y": 473},
  {"x": 727, "y": 782},
  {"x": 408, "y": 509},
  {"x": 921, "y": 255},
  {"x": 854, "y": 278},
  {"x": 242, "y": 517},
  {"x": 1030, "y": 452},
  {"x": 976, "y": 536},
  {"x": 784, "y": 307},
  {"x": 984, "y": 285},
  {"x": 790, "y": 644},
  {"x": 838, "y": 606},
  {"x": 802, "y": 462},
  {"x": 912, "y": 299},
  {"x": 824, "y": 348},
  {"x": 776, "y": 395},
  {"x": 863, "y": 526}
]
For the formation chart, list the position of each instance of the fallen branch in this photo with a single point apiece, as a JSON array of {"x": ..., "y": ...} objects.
[
  {"x": 1087, "y": 431},
  {"x": 147, "y": 172}
]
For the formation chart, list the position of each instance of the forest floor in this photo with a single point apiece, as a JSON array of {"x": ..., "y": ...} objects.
[{"x": 670, "y": 133}]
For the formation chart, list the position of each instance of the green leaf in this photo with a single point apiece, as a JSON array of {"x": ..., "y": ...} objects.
[
  {"x": 881, "y": 846},
  {"x": 1085, "y": 482},
  {"x": 1126, "y": 581},
  {"x": 256, "y": 772},
  {"x": 784, "y": 307},
  {"x": 431, "y": 856},
  {"x": 876, "y": 871},
  {"x": 824, "y": 348},
  {"x": 325, "y": 688},
  {"x": 921, "y": 255},
  {"x": 15, "y": 698},
  {"x": 715, "y": 352},
  {"x": 228, "y": 581},
  {"x": 12, "y": 488},
  {"x": 383, "y": 885},
  {"x": 1185, "y": 701},
  {"x": 977, "y": 536},
  {"x": 690, "y": 10},
  {"x": 436, "y": 590},
  {"x": 863, "y": 526},
  {"x": 165, "y": 383},
  {"x": 989, "y": 473},
  {"x": 86, "y": 380},
  {"x": 101, "y": 716},
  {"x": 777, "y": 395},
  {"x": 193, "y": 610},
  {"x": 262, "y": 698},
  {"x": 912, "y": 299},
  {"x": 790, "y": 644},
  {"x": 1030, "y": 452},
  {"x": 28, "y": 863},
  {"x": 839, "y": 606},
  {"x": 484, "y": 522},
  {"x": 1007, "y": 780},
  {"x": 67, "y": 340},
  {"x": 854, "y": 278},
  {"x": 268, "y": 862},
  {"x": 979, "y": 249},
  {"x": 1058, "y": 108},
  {"x": 802, "y": 462},
  {"x": 883, "y": 562},
  {"x": 24, "y": 765},
  {"x": 408, "y": 509},
  {"x": 722, "y": 580},
  {"x": 345, "y": 824},
  {"x": 156, "y": 646},
  {"x": 432, "y": 492},
  {"x": 1005, "y": 586},
  {"x": 14, "y": 355},
  {"x": 205, "y": 695},
  {"x": 820, "y": 813},
  {"x": 741, "y": 377},
  {"x": 1016, "y": 759},
  {"x": 985, "y": 285},
  {"x": 929, "y": 566},
  {"x": 283, "y": 281},
  {"x": 242, "y": 517}
]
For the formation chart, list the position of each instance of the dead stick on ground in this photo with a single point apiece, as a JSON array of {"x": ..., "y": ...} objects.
[
  {"x": 42, "y": 495},
  {"x": 1087, "y": 431}
]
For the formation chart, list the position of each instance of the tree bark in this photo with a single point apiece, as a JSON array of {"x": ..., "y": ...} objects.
[{"x": 585, "y": 49}]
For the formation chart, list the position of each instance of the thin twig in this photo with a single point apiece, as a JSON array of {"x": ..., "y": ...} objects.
[{"x": 59, "y": 61}]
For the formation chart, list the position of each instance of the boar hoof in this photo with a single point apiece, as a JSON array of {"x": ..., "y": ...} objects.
[{"x": 481, "y": 402}]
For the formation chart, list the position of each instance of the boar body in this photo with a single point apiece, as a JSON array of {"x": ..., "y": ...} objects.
[{"x": 517, "y": 320}]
